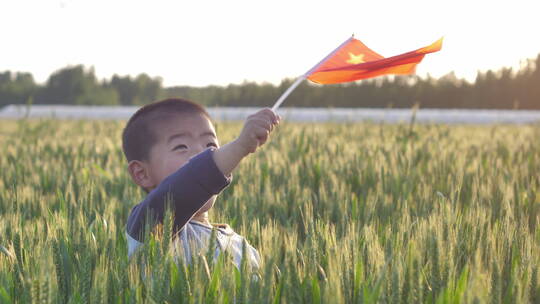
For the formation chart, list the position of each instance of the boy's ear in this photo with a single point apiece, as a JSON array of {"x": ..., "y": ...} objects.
[{"x": 139, "y": 173}]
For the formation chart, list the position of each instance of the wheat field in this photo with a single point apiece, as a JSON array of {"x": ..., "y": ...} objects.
[{"x": 340, "y": 213}]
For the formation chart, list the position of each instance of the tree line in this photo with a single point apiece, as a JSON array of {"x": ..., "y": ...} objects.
[{"x": 78, "y": 85}]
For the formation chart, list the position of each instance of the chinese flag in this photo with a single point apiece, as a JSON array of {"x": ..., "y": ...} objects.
[{"x": 354, "y": 61}]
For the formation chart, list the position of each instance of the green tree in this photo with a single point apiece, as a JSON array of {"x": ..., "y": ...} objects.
[
  {"x": 76, "y": 85},
  {"x": 148, "y": 89},
  {"x": 125, "y": 88},
  {"x": 16, "y": 88}
]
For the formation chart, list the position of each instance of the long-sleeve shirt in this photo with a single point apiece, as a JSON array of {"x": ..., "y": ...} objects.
[{"x": 187, "y": 189}]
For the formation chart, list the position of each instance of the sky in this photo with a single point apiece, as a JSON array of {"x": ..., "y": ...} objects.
[{"x": 201, "y": 43}]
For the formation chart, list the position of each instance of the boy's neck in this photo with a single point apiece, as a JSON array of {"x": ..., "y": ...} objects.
[{"x": 202, "y": 217}]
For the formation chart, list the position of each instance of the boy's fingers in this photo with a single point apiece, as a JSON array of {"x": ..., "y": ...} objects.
[
  {"x": 261, "y": 131},
  {"x": 262, "y": 135},
  {"x": 270, "y": 114},
  {"x": 265, "y": 117},
  {"x": 263, "y": 139},
  {"x": 263, "y": 123},
  {"x": 268, "y": 111}
]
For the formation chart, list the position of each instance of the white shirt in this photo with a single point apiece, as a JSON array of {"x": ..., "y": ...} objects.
[{"x": 194, "y": 239}]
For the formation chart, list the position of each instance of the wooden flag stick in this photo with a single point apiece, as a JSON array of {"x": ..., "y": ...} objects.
[{"x": 289, "y": 90}]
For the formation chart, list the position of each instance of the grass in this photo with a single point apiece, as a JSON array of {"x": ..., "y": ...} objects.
[{"x": 340, "y": 213}]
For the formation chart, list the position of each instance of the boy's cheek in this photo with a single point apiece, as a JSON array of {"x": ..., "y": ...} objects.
[
  {"x": 173, "y": 165},
  {"x": 162, "y": 170}
]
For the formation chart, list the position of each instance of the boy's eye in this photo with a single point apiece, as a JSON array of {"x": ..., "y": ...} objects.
[
  {"x": 211, "y": 145},
  {"x": 180, "y": 147}
]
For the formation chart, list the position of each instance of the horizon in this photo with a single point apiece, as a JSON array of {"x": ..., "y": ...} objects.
[
  {"x": 199, "y": 45},
  {"x": 88, "y": 68}
]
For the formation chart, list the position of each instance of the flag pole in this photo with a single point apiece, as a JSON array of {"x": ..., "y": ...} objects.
[
  {"x": 289, "y": 90},
  {"x": 301, "y": 78}
]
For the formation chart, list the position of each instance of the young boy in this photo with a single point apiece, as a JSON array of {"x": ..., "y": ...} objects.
[{"x": 173, "y": 153}]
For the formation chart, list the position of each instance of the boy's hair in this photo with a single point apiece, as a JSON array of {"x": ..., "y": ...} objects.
[{"x": 139, "y": 135}]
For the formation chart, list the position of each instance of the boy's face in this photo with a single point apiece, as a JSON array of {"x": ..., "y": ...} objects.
[{"x": 179, "y": 138}]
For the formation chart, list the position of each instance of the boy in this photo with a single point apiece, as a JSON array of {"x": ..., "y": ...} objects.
[{"x": 173, "y": 153}]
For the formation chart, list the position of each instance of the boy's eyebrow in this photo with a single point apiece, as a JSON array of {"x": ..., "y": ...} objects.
[
  {"x": 208, "y": 133},
  {"x": 186, "y": 134}
]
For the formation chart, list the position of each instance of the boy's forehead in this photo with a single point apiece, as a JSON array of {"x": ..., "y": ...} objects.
[{"x": 183, "y": 123}]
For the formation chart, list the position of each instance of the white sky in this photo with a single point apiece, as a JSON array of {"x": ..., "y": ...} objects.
[{"x": 220, "y": 42}]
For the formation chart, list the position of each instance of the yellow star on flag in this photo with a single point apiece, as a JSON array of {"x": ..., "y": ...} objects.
[{"x": 355, "y": 59}]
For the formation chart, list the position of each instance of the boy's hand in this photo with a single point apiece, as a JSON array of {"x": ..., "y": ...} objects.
[
  {"x": 256, "y": 130},
  {"x": 255, "y": 133}
]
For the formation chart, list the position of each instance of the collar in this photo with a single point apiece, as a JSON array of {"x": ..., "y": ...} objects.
[{"x": 224, "y": 228}]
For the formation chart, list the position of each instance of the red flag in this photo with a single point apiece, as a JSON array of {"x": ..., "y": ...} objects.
[{"x": 354, "y": 61}]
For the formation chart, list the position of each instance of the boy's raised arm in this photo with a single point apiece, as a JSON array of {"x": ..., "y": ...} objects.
[{"x": 255, "y": 133}]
